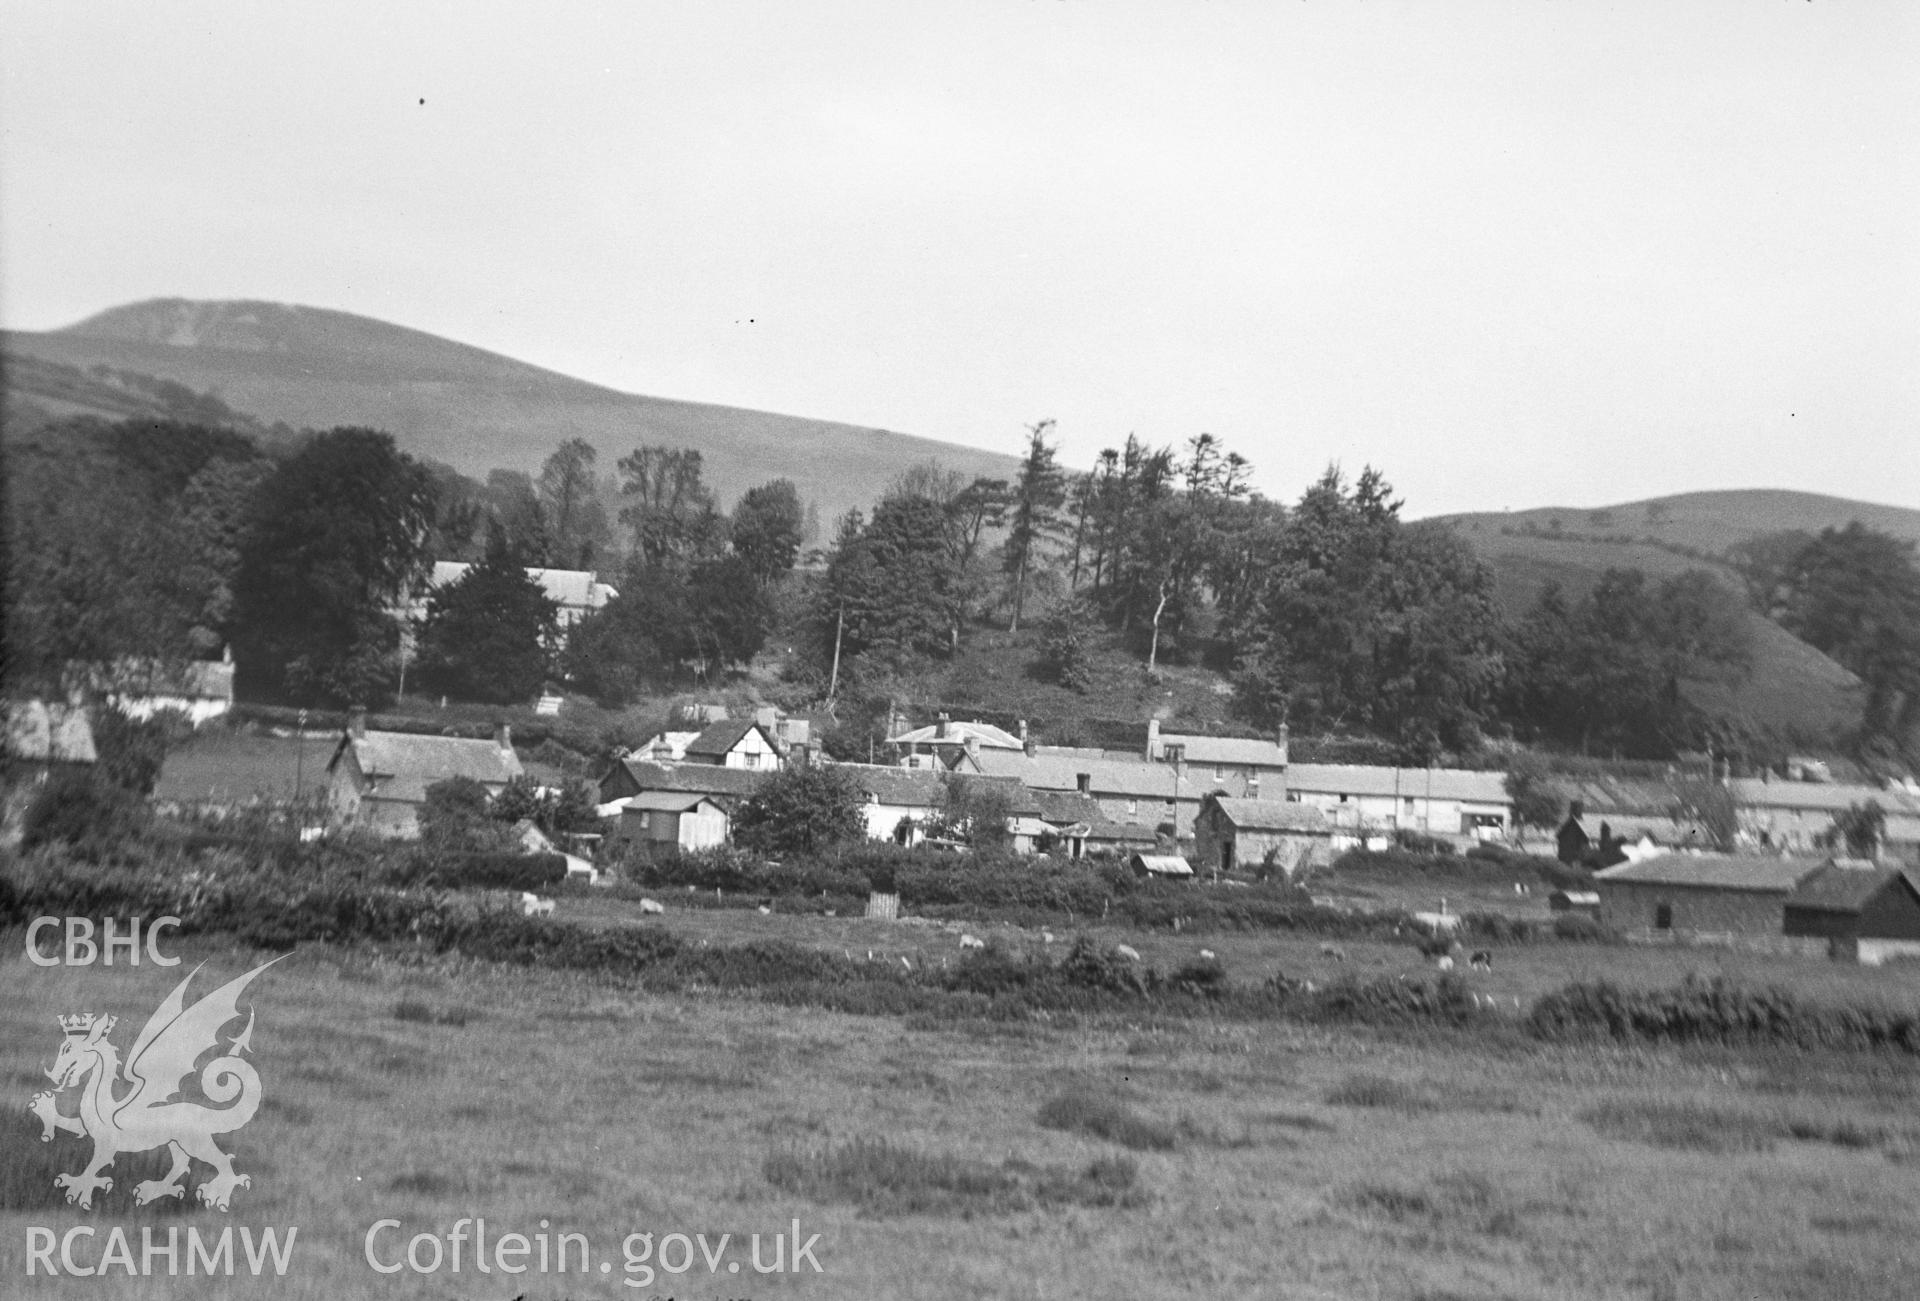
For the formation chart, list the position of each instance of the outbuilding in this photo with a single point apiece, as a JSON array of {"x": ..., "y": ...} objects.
[
  {"x": 1866, "y": 913},
  {"x": 1163, "y": 867},
  {"x": 1690, "y": 895},
  {"x": 1269, "y": 836}
]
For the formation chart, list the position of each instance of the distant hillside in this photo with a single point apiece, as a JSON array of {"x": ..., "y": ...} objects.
[
  {"x": 475, "y": 410},
  {"x": 1794, "y": 691}
]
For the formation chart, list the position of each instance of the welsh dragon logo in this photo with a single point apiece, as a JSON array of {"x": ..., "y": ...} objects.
[{"x": 151, "y": 1113}]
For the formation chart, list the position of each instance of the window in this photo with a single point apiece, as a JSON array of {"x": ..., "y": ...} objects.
[
  {"x": 1663, "y": 917},
  {"x": 1133, "y": 806},
  {"x": 1219, "y": 772}
]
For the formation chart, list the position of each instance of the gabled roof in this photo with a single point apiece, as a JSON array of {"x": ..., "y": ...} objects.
[
  {"x": 1101, "y": 831},
  {"x": 888, "y": 784},
  {"x": 42, "y": 733},
  {"x": 402, "y": 765},
  {"x": 719, "y": 739},
  {"x": 667, "y": 801},
  {"x": 1844, "y": 886},
  {"x": 1065, "y": 808},
  {"x": 1270, "y": 815},
  {"x": 1162, "y": 864},
  {"x": 1406, "y": 783},
  {"x": 1229, "y": 751},
  {"x": 703, "y": 778},
  {"x": 959, "y": 731},
  {"x": 1822, "y": 797},
  {"x": 1126, "y": 778},
  {"x": 1713, "y": 871}
]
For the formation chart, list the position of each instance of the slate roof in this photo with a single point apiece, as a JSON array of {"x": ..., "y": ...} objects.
[
  {"x": 720, "y": 738},
  {"x": 1229, "y": 751},
  {"x": 402, "y": 765},
  {"x": 1365, "y": 779},
  {"x": 1162, "y": 864},
  {"x": 1838, "y": 887},
  {"x": 42, "y": 733},
  {"x": 1271, "y": 815},
  {"x": 1825, "y": 797},
  {"x": 910, "y": 787},
  {"x": 703, "y": 778},
  {"x": 1135, "y": 778},
  {"x": 1713, "y": 871},
  {"x": 1065, "y": 808}
]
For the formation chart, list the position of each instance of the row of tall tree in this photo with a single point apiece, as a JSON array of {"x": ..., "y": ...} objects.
[{"x": 157, "y": 543}]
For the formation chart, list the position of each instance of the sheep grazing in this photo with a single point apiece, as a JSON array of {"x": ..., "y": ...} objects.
[
  {"x": 1482, "y": 960},
  {"x": 1126, "y": 951},
  {"x": 532, "y": 905},
  {"x": 1333, "y": 951},
  {"x": 1444, "y": 962},
  {"x": 972, "y": 942},
  {"x": 765, "y": 911},
  {"x": 652, "y": 906},
  {"x": 1207, "y": 954},
  {"x": 1046, "y": 937}
]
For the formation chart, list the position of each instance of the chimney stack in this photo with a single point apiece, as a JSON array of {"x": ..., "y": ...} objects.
[
  {"x": 940, "y": 725},
  {"x": 1576, "y": 810},
  {"x": 1281, "y": 741},
  {"x": 1027, "y": 743},
  {"x": 1023, "y": 732},
  {"x": 1084, "y": 781},
  {"x": 1253, "y": 785},
  {"x": 357, "y": 722},
  {"x": 1153, "y": 739},
  {"x": 503, "y": 735}
]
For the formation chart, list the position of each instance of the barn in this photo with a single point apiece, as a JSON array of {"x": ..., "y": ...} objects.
[
  {"x": 1275, "y": 836},
  {"x": 1694, "y": 895},
  {"x": 1866, "y": 913}
]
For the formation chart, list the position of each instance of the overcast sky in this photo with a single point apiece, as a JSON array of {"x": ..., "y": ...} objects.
[{"x": 1541, "y": 252}]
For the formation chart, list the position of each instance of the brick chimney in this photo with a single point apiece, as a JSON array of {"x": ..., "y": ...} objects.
[
  {"x": 1028, "y": 744},
  {"x": 1281, "y": 741},
  {"x": 1023, "y": 733},
  {"x": 940, "y": 725},
  {"x": 357, "y": 722},
  {"x": 503, "y": 735},
  {"x": 1153, "y": 739}
]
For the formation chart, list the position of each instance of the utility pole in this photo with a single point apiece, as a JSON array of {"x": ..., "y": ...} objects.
[
  {"x": 299, "y": 775},
  {"x": 839, "y": 625}
]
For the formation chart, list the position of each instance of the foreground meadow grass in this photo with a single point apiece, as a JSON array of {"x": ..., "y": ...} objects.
[{"x": 1038, "y": 1159}]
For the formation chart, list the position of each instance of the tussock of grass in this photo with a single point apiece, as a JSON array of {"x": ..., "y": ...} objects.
[
  {"x": 1375, "y": 1091},
  {"x": 426, "y": 1182},
  {"x": 1460, "y": 1201},
  {"x": 886, "y": 1178},
  {"x": 1686, "y": 1126},
  {"x": 1085, "y": 1113},
  {"x": 409, "y": 1009}
]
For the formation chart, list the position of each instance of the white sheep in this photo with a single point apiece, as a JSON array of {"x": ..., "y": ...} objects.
[
  {"x": 1444, "y": 962},
  {"x": 652, "y": 906},
  {"x": 1207, "y": 954},
  {"x": 1046, "y": 937},
  {"x": 532, "y": 905},
  {"x": 972, "y": 942},
  {"x": 1126, "y": 951}
]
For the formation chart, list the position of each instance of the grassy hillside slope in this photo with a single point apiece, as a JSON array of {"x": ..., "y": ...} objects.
[
  {"x": 473, "y": 409},
  {"x": 1707, "y": 522}
]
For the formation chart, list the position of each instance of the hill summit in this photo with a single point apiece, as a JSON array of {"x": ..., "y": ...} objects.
[{"x": 473, "y": 409}]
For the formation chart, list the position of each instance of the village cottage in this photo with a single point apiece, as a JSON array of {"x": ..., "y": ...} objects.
[
  {"x": 684, "y": 806},
  {"x": 379, "y": 780}
]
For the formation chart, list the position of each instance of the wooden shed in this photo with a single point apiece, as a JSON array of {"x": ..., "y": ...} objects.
[
  {"x": 1164, "y": 867},
  {"x": 1866, "y": 913}
]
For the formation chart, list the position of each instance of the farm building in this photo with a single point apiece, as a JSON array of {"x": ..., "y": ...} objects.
[
  {"x": 1260, "y": 836},
  {"x": 1161, "y": 867},
  {"x": 1575, "y": 901},
  {"x": 684, "y": 820},
  {"x": 632, "y": 779},
  {"x": 1700, "y": 894},
  {"x": 1360, "y": 798},
  {"x": 1867, "y": 913},
  {"x": 379, "y": 780}
]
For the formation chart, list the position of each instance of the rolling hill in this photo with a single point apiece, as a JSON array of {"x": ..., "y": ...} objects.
[
  {"x": 1794, "y": 691},
  {"x": 473, "y": 409}
]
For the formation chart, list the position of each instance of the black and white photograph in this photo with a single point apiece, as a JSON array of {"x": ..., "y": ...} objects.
[{"x": 1036, "y": 650}]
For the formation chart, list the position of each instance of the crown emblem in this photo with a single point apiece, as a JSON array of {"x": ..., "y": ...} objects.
[{"x": 83, "y": 1023}]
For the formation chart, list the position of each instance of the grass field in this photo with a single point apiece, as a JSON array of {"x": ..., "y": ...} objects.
[{"x": 1116, "y": 1157}]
